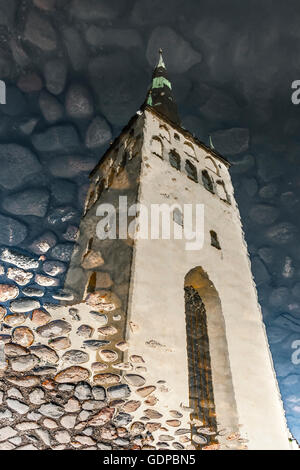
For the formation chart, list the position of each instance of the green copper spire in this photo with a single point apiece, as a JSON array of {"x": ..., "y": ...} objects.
[{"x": 160, "y": 95}]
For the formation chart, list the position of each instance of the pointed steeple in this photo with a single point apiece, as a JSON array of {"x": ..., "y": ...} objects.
[{"x": 160, "y": 95}]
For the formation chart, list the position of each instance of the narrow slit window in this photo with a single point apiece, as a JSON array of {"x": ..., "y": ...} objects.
[
  {"x": 191, "y": 171},
  {"x": 174, "y": 159},
  {"x": 207, "y": 181},
  {"x": 90, "y": 244},
  {"x": 214, "y": 240},
  {"x": 92, "y": 283}
]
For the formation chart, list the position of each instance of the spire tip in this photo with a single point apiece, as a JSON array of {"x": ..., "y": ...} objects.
[{"x": 161, "y": 60}]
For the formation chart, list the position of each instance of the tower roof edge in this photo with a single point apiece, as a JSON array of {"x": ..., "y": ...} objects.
[{"x": 189, "y": 135}]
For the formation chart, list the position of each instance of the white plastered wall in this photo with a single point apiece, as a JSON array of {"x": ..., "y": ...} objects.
[{"x": 157, "y": 297}]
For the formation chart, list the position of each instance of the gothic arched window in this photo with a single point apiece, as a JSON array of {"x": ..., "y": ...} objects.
[
  {"x": 189, "y": 150},
  {"x": 207, "y": 181},
  {"x": 214, "y": 240},
  {"x": 174, "y": 159},
  {"x": 211, "y": 165},
  {"x": 157, "y": 147},
  {"x": 207, "y": 352},
  {"x": 191, "y": 171}
]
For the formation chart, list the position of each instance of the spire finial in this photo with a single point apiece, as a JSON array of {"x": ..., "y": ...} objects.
[
  {"x": 160, "y": 95},
  {"x": 161, "y": 60}
]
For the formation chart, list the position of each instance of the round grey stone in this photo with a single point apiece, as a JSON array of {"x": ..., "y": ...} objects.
[
  {"x": 28, "y": 202},
  {"x": 75, "y": 356},
  {"x": 122, "y": 419},
  {"x": 282, "y": 233},
  {"x": 18, "y": 406},
  {"x": 83, "y": 391},
  {"x": 79, "y": 102},
  {"x": 51, "y": 108},
  {"x": 95, "y": 344},
  {"x": 24, "y": 305},
  {"x": 54, "y": 268},
  {"x": 98, "y": 133},
  {"x": 24, "y": 363},
  {"x": 63, "y": 252},
  {"x": 43, "y": 243},
  {"x": 263, "y": 214},
  {"x": 135, "y": 380},
  {"x": 54, "y": 328},
  {"x": 39, "y": 32},
  {"x": 118, "y": 391},
  {"x": 61, "y": 215},
  {"x": 51, "y": 410},
  {"x": 99, "y": 392},
  {"x": 33, "y": 292},
  {"x": 12, "y": 232},
  {"x": 57, "y": 139},
  {"x": 55, "y": 73}
]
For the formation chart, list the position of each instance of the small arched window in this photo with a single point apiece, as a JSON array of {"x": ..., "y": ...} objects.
[
  {"x": 174, "y": 159},
  {"x": 211, "y": 165},
  {"x": 214, "y": 240},
  {"x": 222, "y": 193},
  {"x": 207, "y": 181},
  {"x": 164, "y": 133},
  {"x": 176, "y": 136},
  {"x": 191, "y": 171},
  {"x": 157, "y": 146},
  {"x": 189, "y": 149}
]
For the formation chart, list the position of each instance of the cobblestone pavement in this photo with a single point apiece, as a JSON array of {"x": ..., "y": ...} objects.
[{"x": 76, "y": 71}]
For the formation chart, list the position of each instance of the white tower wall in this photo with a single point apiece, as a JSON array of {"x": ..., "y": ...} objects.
[{"x": 157, "y": 307}]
